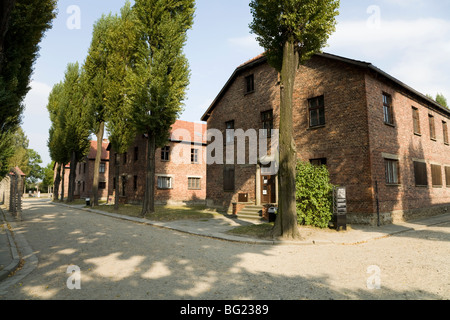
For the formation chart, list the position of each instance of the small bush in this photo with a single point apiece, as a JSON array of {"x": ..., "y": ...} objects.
[{"x": 314, "y": 195}]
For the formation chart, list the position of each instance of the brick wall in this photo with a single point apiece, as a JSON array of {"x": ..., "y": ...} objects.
[
  {"x": 402, "y": 201},
  {"x": 179, "y": 168},
  {"x": 354, "y": 140},
  {"x": 245, "y": 109}
]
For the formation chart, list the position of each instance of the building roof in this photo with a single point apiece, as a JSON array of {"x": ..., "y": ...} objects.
[
  {"x": 260, "y": 59},
  {"x": 185, "y": 131},
  {"x": 93, "y": 150},
  {"x": 181, "y": 129},
  {"x": 17, "y": 169}
]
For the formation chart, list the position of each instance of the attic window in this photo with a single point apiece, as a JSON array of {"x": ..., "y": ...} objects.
[{"x": 250, "y": 84}]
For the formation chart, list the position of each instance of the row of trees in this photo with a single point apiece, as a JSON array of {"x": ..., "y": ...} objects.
[
  {"x": 22, "y": 26},
  {"x": 133, "y": 81}
]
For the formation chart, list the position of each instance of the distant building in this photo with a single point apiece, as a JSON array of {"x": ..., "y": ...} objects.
[
  {"x": 85, "y": 174},
  {"x": 180, "y": 175}
]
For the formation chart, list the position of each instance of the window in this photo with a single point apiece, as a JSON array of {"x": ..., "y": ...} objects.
[
  {"x": 445, "y": 131},
  {"x": 316, "y": 111},
  {"x": 116, "y": 158},
  {"x": 194, "y": 155},
  {"x": 229, "y": 131},
  {"x": 165, "y": 153},
  {"x": 436, "y": 175},
  {"x": 164, "y": 182},
  {"x": 135, "y": 178},
  {"x": 447, "y": 176},
  {"x": 102, "y": 167},
  {"x": 228, "y": 178},
  {"x": 249, "y": 84},
  {"x": 124, "y": 186},
  {"x": 125, "y": 158},
  {"x": 388, "y": 110},
  {"x": 136, "y": 153},
  {"x": 420, "y": 173},
  {"x": 267, "y": 122},
  {"x": 416, "y": 120},
  {"x": 114, "y": 183},
  {"x": 318, "y": 162},
  {"x": 84, "y": 167},
  {"x": 392, "y": 171},
  {"x": 432, "y": 127},
  {"x": 102, "y": 185},
  {"x": 193, "y": 183}
]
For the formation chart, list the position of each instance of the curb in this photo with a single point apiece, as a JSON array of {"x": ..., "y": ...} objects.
[
  {"x": 245, "y": 240},
  {"x": 222, "y": 237},
  {"x": 14, "y": 252}
]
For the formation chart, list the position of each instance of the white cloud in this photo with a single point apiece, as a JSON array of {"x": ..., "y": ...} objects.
[
  {"x": 247, "y": 44},
  {"x": 414, "y": 51},
  {"x": 36, "y": 122},
  {"x": 37, "y": 98}
]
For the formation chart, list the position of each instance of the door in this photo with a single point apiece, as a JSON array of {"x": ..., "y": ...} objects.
[{"x": 268, "y": 189}]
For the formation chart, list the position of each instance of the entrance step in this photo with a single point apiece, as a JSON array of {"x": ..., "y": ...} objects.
[{"x": 250, "y": 212}]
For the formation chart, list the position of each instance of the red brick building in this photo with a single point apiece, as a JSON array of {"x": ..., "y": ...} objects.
[
  {"x": 180, "y": 168},
  {"x": 85, "y": 174},
  {"x": 369, "y": 128}
]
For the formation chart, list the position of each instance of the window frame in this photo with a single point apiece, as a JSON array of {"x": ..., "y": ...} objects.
[
  {"x": 194, "y": 186},
  {"x": 267, "y": 122},
  {"x": 432, "y": 126},
  {"x": 165, "y": 154},
  {"x": 229, "y": 136},
  {"x": 416, "y": 121},
  {"x": 436, "y": 175},
  {"x": 320, "y": 105},
  {"x": 447, "y": 176},
  {"x": 392, "y": 171},
  {"x": 418, "y": 165},
  {"x": 164, "y": 186},
  {"x": 445, "y": 132},
  {"x": 194, "y": 156},
  {"x": 229, "y": 178},
  {"x": 388, "y": 110},
  {"x": 250, "y": 84}
]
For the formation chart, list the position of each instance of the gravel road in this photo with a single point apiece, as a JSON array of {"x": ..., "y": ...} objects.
[{"x": 124, "y": 260}]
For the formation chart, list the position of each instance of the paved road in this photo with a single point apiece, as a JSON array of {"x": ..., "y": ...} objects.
[{"x": 120, "y": 259}]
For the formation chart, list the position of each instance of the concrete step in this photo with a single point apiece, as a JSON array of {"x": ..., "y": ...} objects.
[{"x": 250, "y": 212}]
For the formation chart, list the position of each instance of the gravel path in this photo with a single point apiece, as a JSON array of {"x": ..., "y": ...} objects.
[{"x": 124, "y": 260}]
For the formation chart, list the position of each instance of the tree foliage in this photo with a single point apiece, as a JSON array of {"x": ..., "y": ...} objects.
[
  {"x": 158, "y": 79},
  {"x": 28, "y": 21},
  {"x": 290, "y": 31},
  {"x": 314, "y": 195},
  {"x": 307, "y": 23}
]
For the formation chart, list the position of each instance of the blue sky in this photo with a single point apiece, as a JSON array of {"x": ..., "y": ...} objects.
[{"x": 409, "y": 39}]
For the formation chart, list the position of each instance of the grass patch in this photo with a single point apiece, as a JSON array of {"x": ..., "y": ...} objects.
[
  {"x": 260, "y": 231},
  {"x": 162, "y": 213}
]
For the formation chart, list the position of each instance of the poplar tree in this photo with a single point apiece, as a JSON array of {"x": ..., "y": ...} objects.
[
  {"x": 120, "y": 41},
  {"x": 96, "y": 77},
  {"x": 57, "y": 148},
  {"x": 159, "y": 77},
  {"x": 290, "y": 31}
]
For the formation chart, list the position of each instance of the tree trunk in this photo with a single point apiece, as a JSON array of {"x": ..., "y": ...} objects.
[
  {"x": 57, "y": 182},
  {"x": 148, "y": 206},
  {"x": 63, "y": 181},
  {"x": 98, "y": 158},
  {"x": 72, "y": 176},
  {"x": 116, "y": 177},
  {"x": 286, "y": 222}
]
